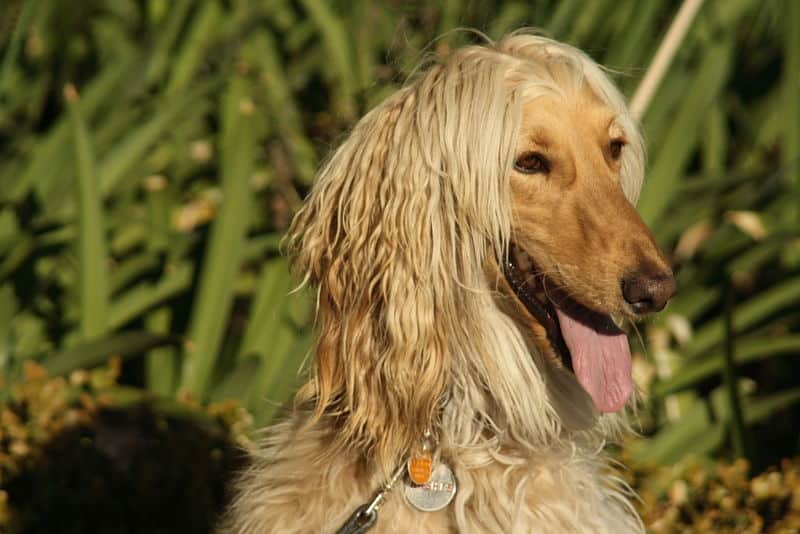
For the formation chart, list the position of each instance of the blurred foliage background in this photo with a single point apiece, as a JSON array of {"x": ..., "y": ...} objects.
[{"x": 152, "y": 153}]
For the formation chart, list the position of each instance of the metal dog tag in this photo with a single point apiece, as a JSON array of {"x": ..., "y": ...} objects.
[{"x": 435, "y": 494}]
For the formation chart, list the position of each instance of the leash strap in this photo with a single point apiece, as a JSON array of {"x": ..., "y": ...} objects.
[
  {"x": 366, "y": 515},
  {"x": 360, "y": 521}
]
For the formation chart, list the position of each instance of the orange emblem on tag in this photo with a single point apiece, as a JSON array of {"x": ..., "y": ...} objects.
[{"x": 419, "y": 468}]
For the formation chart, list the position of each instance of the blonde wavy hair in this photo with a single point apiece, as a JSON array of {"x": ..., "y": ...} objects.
[
  {"x": 406, "y": 236},
  {"x": 397, "y": 234}
]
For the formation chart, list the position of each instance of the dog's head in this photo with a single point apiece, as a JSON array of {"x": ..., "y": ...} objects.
[
  {"x": 580, "y": 255},
  {"x": 503, "y": 178}
]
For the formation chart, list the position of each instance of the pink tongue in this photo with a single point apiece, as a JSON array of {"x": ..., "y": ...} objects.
[{"x": 601, "y": 359}]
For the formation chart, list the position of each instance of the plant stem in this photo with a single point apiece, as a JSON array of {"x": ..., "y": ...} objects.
[
  {"x": 663, "y": 58},
  {"x": 737, "y": 429}
]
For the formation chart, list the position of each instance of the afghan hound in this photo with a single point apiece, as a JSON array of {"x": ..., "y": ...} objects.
[{"x": 475, "y": 247}]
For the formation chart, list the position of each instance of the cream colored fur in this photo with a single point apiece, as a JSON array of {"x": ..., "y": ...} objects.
[{"x": 397, "y": 235}]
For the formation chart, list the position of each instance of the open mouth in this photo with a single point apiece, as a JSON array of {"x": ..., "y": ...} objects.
[{"x": 588, "y": 342}]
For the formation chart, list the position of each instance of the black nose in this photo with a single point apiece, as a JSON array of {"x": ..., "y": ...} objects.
[{"x": 648, "y": 292}]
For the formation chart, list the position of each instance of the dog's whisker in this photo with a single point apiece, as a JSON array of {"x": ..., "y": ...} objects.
[{"x": 635, "y": 328}]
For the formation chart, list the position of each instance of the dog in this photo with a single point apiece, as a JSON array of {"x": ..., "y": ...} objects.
[{"x": 475, "y": 248}]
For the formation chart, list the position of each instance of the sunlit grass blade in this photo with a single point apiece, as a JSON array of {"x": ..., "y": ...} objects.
[
  {"x": 15, "y": 257},
  {"x": 791, "y": 103},
  {"x": 9, "y": 229},
  {"x": 30, "y": 336},
  {"x": 128, "y": 153},
  {"x": 714, "y": 141},
  {"x": 628, "y": 53},
  {"x": 226, "y": 243},
  {"x": 755, "y": 409},
  {"x": 278, "y": 393},
  {"x": 509, "y": 17},
  {"x": 748, "y": 314},
  {"x": 273, "y": 360},
  {"x": 9, "y": 361},
  {"x": 269, "y": 308},
  {"x": 24, "y": 20},
  {"x": 161, "y": 365},
  {"x": 256, "y": 247},
  {"x": 288, "y": 119},
  {"x": 143, "y": 297},
  {"x": 449, "y": 11},
  {"x": 690, "y": 302},
  {"x": 93, "y": 353},
  {"x": 677, "y": 439},
  {"x": 756, "y": 256},
  {"x": 160, "y": 201},
  {"x": 127, "y": 237},
  {"x": 585, "y": 23},
  {"x": 53, "y": 152},
  {"x": 697, "y": 434},
  {"x": 8, "y": 309},
  {"x": 560, "y": 19},
  {"x": 334, "y": 36},
  {"x": 282, "y": 13},
  {"x": 683, "y": 135},
  {"x": 203, "y": 28},
  {"x": 764, "y": 407},
  {"x": 92, "y": 255},
  {"x": 747, "y": 351},
  {"x": 737, "y": 431},
  {"x": 129, "y": 270},
  {"x": 660, "y": 114},
  {"x": 275, "y": 334},
  {"x": 168, "y": 33},
  {"x": 237, "y": 383}
]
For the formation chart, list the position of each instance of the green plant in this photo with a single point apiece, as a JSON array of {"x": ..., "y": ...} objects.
[
  {"x": 695, "y": 496},
  {"x": 153, "y": 152}
]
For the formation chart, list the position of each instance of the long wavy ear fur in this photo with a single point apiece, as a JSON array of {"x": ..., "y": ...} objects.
[{"x": 395, "y": 235}]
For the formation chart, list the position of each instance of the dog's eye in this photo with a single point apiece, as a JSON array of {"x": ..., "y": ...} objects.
[
  {"x": 615, "y": 148},
  {"x": 532, "y": 163}
]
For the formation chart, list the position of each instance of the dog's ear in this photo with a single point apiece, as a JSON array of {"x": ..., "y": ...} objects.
[
  {"x": 365, "y": 238},
  {"x": 395, "y": 234}
]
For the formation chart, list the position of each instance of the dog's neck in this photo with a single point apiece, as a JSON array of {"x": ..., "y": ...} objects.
[
  {"x": 501, "y": 394},
  {"x": 505, "y": 394}
]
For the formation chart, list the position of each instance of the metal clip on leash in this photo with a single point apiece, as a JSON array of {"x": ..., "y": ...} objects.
[{"x": 366, "y": 515}]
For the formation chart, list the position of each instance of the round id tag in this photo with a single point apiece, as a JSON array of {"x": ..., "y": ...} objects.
[{"x": 434, "y": 494}]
